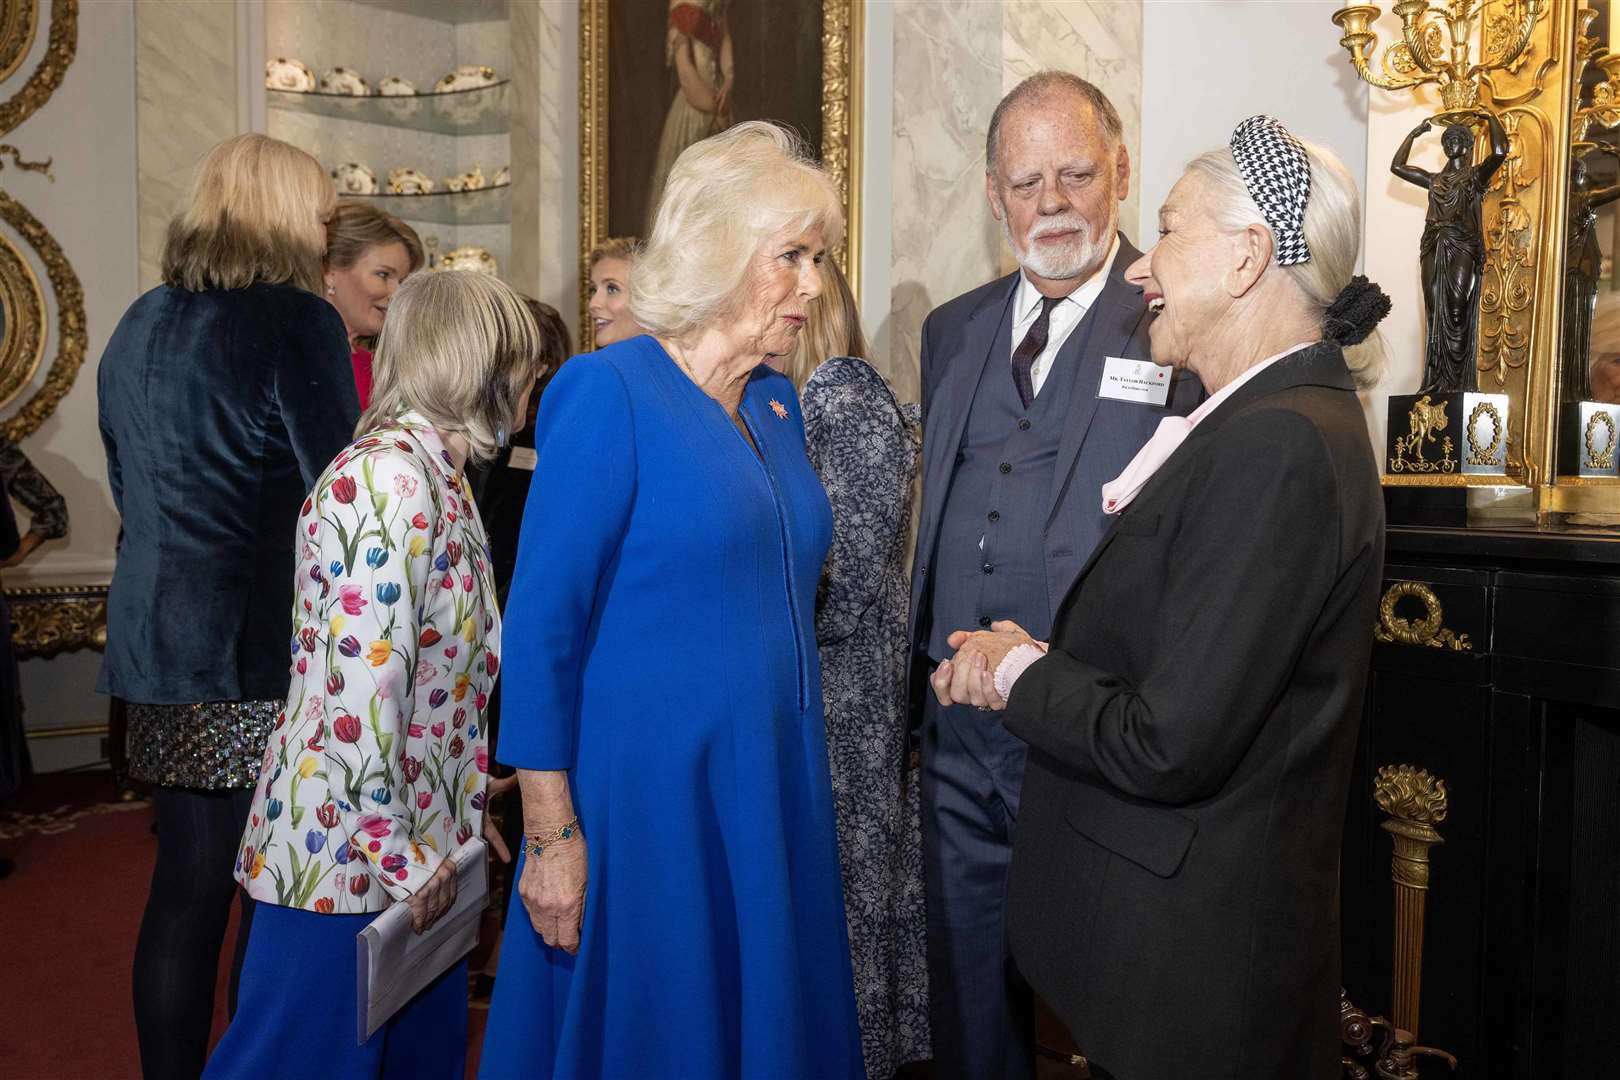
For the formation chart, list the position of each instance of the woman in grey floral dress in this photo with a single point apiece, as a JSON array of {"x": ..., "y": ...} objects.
[{"x": 864, "y": 445}]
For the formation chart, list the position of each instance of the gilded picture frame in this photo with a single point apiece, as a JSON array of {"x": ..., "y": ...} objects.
[{"x": 835, "y": 96}]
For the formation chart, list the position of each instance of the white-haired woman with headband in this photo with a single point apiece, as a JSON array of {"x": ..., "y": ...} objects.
[
  {"x": 680, "y": 868},
  {"x": 1191, "y": 723},
  {"x": 377, "y": 767}
]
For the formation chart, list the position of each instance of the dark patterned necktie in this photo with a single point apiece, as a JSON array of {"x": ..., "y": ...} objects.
[{"x": 1034, "y": 342}]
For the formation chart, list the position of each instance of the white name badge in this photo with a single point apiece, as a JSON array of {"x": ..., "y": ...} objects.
[
  {"x": 1141, "y": 381},
  {"x": 523, "y": 457}
]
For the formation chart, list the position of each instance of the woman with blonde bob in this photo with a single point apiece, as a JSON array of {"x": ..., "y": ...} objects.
[
  {"x": 667, "y": 717},
  {"x": 379, "y": 770},
  {"x": 223, "y": 392}
]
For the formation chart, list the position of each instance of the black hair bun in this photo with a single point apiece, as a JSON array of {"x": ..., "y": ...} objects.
[{"x": 1355, "y": 312}]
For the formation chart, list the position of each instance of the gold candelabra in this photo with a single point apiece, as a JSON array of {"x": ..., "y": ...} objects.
[
  {"x": 1437, "y": 44},
  {"x": 1602, "y": 110}
]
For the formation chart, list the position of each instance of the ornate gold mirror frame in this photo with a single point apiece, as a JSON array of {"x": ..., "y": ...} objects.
[{"x": 842, "y": 30}]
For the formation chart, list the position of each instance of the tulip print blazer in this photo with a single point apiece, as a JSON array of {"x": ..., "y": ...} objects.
[{"x": 377, "y": 765}]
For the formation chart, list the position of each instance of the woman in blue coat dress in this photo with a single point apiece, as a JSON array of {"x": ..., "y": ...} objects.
[{"x": 663, "y": 704}]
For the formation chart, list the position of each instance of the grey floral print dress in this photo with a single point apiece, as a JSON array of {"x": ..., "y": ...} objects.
[{"x": 864, "y": 445}]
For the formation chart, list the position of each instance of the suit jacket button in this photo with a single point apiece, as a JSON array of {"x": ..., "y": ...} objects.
[
  {"x": 984, "y": 621},
  {"x": 1023, "y": 425},
  {"x": 1006, "y": 468},
  {"x": 987, "y": 568}
]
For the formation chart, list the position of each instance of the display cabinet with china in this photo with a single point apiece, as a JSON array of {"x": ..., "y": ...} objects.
[{"x": 407, "y": 103}]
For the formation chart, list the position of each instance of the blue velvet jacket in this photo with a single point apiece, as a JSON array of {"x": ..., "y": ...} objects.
[{"x": 218, "y": 410}]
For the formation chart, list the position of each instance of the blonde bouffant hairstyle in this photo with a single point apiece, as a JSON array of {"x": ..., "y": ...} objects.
[
  {"x": 460, "y": 348},
  {"x": 255, "y": 216},
  {"x": 1332, "y": 232},
  {"x": 725, "y": 195},
  {"x": 834, "y": 327}
]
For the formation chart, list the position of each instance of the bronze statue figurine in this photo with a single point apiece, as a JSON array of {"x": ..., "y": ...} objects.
[
  {"x": 1453, "y": 250},
  {"x": 1582, "y": 264}
]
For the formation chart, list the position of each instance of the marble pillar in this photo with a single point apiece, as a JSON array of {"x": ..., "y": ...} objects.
[
  {"x": 186, "y": 88},
  {"x": 947, "y": 80},
  {"x": 545, "y": 155},
  {"x": 953, "y": 60},
  {"x": 1100, "y": 42}
]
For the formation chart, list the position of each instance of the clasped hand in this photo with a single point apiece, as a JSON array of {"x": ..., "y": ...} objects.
[
  {"x": 434, "y": 898},
  {"x": 968, "y": 677}
]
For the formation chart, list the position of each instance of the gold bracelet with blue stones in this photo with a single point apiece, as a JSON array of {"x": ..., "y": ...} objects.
[{"x": 534, "y": 845}]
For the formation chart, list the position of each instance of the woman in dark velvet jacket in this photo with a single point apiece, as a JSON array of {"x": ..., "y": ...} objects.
[{"x": 223, "y": 394}]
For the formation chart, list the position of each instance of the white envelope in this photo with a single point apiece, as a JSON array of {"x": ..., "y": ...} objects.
[{"x": 395, "y": 965}]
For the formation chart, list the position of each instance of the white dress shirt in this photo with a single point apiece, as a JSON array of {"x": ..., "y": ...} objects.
[{"x": 1066, "y": 315}]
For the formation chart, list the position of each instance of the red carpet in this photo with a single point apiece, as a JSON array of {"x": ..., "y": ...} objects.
[{"x": 69, "y": 914}]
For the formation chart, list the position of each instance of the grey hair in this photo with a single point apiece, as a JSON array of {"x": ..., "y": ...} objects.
[
  {"x": 1332, "y": 231},
  {"x": 1043, "y": 84},
  {"x": 460, "y": 348}
]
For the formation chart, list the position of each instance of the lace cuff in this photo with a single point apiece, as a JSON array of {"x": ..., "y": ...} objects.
[{"x": 1014, "y": 664}]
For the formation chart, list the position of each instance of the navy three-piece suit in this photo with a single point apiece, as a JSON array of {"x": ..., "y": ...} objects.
[{"x": 1011, "y": 509}]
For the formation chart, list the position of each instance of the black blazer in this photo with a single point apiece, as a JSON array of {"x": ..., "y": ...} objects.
[
  {"x": 1173, "y": 891},
  {"x": 1099, "y": 437},
  {"x": 218, "y": 411}
]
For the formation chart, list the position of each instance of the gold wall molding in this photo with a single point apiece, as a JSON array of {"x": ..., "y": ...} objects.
[
  {"x": 19, "y": 19},
  {"x": 59, "y": 53},
  {"x": 1429, "y": 630},
  {"x": 48, "y": 620},
  {"x": 842, "y": 32},
  {"x": 22, "y": 307},
  {"x": 70, "y": 322}
]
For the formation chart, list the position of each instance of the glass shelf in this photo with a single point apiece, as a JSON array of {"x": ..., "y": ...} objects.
[
  {"x": 446, "y": 11},
  {"x": 486, "y": 206},
  {"x": 482, "y": 111}
]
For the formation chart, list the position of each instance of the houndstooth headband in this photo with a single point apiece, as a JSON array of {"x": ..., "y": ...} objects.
[{"x": 1277, "y": 172}]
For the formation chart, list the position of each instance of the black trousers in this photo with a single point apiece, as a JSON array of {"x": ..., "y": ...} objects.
[{"x": 187, "y": 911}]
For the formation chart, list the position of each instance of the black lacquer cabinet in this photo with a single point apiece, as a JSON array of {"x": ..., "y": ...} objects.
[{"x": 1515, "y": 703}]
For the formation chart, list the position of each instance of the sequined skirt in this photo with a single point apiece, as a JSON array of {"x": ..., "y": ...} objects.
[{"x": 217, "y": 744}]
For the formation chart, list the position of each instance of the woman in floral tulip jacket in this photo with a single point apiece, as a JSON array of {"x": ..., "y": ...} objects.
[{"x": 376, "y": 769}]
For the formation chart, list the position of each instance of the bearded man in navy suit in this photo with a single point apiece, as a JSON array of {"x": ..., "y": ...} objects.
[{"x": 1022, "y": 429}]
